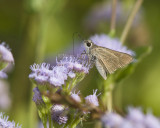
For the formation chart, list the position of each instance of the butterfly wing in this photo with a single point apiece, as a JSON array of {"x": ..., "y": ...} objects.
[
  {"x": 101, "y": 69},
  {"x": 111, "y": 60}
]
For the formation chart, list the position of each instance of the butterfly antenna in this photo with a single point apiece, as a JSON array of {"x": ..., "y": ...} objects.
[
  {"x": 80, "y": 36},
  {"x": 73, "y": 43}
]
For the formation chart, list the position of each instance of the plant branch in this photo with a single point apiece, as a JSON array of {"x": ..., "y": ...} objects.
[
  {"x": 113, "y": 18},
  {"x": 130, "y": 20}
]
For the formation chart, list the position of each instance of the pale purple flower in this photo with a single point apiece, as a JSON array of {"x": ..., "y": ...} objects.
[
  {"x": 151, "y": 121},
  {"x": 37, "y": 98},
  {"x": 134, "y": 119},
  {"x": 71, "y": 74},
  {"x": 92, "y": 99},
  {"x": 74, "y": 63},
  {"x": 58, "y": 114},
  {"x": 68, "y": 66},
  {"x": 129, "y": 124},
  {"x": 40, "y": 73},
  {"x": 45, "y": 74},
  {"x": 111, "y": 43},
  {"x": 112, "y": 120},
  {"x": 5, "y": 54},
  {"x": 102, "y": 13},
  {"x": 5, "y": 123},
  {"x": 3, "y": 75},
  {"x": 76, "y": 97},
  {"x": 135, "y": 115}
]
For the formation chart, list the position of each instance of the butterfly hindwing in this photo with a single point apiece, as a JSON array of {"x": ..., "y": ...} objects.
[{"x": 100, "y": 68}]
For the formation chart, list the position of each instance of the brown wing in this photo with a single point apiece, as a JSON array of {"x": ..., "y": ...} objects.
[
  {"x": 101, "y": 69},
  {"x": 112, "y": 60}
]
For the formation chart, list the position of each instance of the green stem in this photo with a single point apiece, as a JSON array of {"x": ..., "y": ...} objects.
[
  {"x": 45, "y": 124},
  {"x": 75, "y": 122},
  {"x": 109, "y": 98},
  {"x": 107, "y": 93},
  {"x": 50, "y": 120},
  {"x": 55, "y": 125},
  {"x": 74, "y": 81},
  {"x": 113, "y": 18},
  {"x": 130, "y": 20},
  {"x": 66, "y": 87},
  {"x": 71, "y": 118}
]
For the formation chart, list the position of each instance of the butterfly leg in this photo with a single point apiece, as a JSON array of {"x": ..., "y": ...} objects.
[
  {"x": 83, "y": 55},
  {"x": 92, "y": 60}
]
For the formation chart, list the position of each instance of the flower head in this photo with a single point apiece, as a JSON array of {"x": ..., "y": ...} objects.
[
  {"x": 92, "y": 99},
  {"x": 58, "y": 114},
  {"x": 3, "y": 75},
  {"x": 135, "y": 114},
  {"x": 58, "y": 76},
  {"x": 135, "y": 119},
  {"x": 74, "y": 63},
  {"x": 102, "y": 13},
  {"x": 40, "y": 73},
  {"x": 151, "y": 121},
  {"x": 112, "y": 120},
  {"x": 76, "y": 97},
  {"x": 111, "y": 43},
  {"x": 67, "y": 67},
  {"x": 5, "y": 54},
  {"x": 4, "y": 123}
]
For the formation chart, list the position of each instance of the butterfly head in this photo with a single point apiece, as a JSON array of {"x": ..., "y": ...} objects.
[{"x": 88, "y": 44}]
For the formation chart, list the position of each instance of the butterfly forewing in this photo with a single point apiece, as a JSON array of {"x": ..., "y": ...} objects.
[{"x": 109, "y": 59}]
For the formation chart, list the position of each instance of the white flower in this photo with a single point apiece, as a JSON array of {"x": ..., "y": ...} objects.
[
  {"x": 76, "y": 97},
  {"x": 92, "y": 99},
  {"x": 4, "y": 123},
  {"x": 5, "y": 54}
]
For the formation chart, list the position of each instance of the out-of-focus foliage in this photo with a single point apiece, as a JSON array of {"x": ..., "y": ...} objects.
[{"x": 35, "y": 32}]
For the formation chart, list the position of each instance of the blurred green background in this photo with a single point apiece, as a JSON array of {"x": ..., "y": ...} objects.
[{"x": 36, "y": 29}]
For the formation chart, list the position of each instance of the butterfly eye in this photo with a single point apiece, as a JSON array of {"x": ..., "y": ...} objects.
[{"x": 89, "y": 44}]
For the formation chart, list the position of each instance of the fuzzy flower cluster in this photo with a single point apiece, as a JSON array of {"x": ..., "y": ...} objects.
[
  {"x": 102, "y": 13},
  {"x": 66, "y": 68},
  {"x": 5, "y": 54},
  {"x": 134, "y": 119},
  {"x": 57, "y": 113},
  {"x": 111, "y": 43},
  {"x": 6, "y": 58},
  {"x": 4, "y": 123},
  {"x": 89, "y": 100}
]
